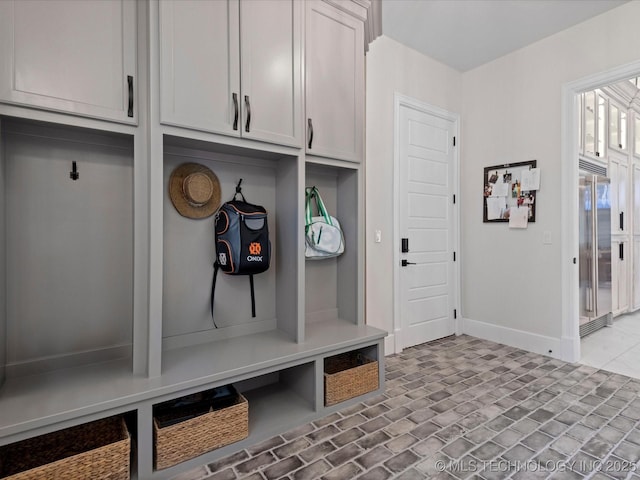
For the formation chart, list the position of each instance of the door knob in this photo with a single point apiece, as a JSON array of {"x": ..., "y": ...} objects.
[{"x": 405, "y": 263}]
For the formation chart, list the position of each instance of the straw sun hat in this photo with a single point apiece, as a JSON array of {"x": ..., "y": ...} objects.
[{"x": 194, "y": 190}]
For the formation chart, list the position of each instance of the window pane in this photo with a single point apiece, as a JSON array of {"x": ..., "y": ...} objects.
[
  {"x": 580, "y": 125},
  {"x": 623, "y": 130},
  {"x": 613, "y": 126},
  {"x": 590, "y": 123},
  {"x": 601, "y": 125}
]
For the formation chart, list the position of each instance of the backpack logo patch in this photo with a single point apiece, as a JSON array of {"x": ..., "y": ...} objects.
[
  {"x": 255, "y": 248},
  {"x": 222, "y": 258}
]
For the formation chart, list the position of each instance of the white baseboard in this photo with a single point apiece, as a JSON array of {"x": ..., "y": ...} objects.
[{"x": 531, "y": 342}]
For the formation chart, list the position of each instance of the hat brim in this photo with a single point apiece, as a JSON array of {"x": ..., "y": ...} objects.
[{"x": 181, "y": 203}]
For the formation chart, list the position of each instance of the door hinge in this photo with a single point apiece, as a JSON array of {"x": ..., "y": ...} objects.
[
  {"x": 454, "y": 141},
  {"x": 454, "y": 256},
  {"x": 454, "y": 198},
  {"x": 455, "y": 313}
]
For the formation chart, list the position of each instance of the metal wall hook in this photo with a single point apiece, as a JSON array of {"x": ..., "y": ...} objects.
[{"x": 73, "y": 174}]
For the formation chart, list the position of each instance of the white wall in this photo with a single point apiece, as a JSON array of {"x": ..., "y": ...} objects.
[
  {"x": 392, "y": 67},
  {"x": 511, "y": 112}
]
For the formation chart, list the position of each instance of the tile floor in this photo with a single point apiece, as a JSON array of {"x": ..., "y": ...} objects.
[
  {"x": 615, "y": 348},
  {"x": 461, "y": 408}
]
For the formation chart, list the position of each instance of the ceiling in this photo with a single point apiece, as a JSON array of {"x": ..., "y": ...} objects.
[{"x": 467, "y": 33}]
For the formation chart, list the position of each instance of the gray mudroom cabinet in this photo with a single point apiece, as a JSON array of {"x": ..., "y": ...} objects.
[
  {"x": 333, "y": 83},
  {"x": 104, "y": 286},
  {"x": 89, "y": 65},
  {"x": 233, "y": 67}
]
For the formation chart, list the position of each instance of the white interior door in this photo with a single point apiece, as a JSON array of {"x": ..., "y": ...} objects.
[{"x": 426, "y": 219}]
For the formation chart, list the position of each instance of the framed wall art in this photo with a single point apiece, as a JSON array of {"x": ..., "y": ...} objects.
[{"x": 508, "y": 189}]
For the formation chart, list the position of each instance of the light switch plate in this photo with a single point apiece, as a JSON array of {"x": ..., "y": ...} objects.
[
  {"x": 546, "y": 237},
  {"x": 378, "y": 236}
]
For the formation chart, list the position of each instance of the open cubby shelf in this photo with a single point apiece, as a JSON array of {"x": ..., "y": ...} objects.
[
  {"x": 189, "y": 251},
  {"x": 33, "y": 403},
  {"x": 332, "y": 285},
  {"x": 275, "y": 359},
  {"x": 273, "y": 407},
  {"x": 67, "y": 246},
  {"x": 279, "y": 400},
  {"x": 242, "y": 355}
]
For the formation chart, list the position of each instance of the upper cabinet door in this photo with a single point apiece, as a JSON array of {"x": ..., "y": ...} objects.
[
  {"x": 334, "y": 81},
  {"x": 270, "y": 53},
  {"x": 70, "y": 56},
  {"x": 206, "y": 46},
  {"x": 199, "y": 65},
  {"x": 589, "y": 119},
  {"x": 617, "y": 127},
  {"x": 595, "y": 124}
]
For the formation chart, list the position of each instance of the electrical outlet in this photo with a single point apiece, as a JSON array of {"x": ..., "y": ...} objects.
[{"x": 378, "y": 236}]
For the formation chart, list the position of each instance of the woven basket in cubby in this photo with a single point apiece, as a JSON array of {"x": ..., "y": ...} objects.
[
  {"x": 98, "y": 450},
  {"x": 349, "y": 375},
  {"x": 201, "y": 434}
]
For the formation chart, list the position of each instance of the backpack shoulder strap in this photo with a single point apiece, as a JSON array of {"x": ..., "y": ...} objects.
[
  {"x": 216, "y": 267},
  {"x": 253, "y": 298}
]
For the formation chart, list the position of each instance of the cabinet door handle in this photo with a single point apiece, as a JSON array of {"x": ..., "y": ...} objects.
[
  {"x": 247, "y": 104},
  {"x": 621, "y": 251},
  {"x": 310, "y": 133},
  {"x": 621, "y": 220},
  {"x": 234, "y": 96},
  {"x": 130, "y": 85}
]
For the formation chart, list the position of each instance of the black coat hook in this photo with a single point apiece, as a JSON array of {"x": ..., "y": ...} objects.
[
  {"x": 239, "y": 191},
  {"x": 73, "y": 174}
]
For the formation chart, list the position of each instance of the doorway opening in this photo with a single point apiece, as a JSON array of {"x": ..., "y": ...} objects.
[
  {"x": 609, "y": 161},
  {"x": 601, "y": 122}
]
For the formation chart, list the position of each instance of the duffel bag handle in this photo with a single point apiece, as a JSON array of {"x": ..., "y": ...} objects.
[{"x": 311, "y": 194}]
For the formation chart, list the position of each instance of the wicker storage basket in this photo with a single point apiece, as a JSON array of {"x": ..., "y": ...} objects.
[
  {"x": 348, "y": 375},
  {"x": 97, "y": 450},
  {"x": 191, "y": 438}
]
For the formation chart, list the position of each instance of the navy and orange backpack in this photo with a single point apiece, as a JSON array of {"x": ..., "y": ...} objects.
[{"x": 242, "y": 242}]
